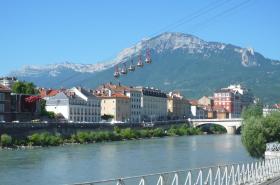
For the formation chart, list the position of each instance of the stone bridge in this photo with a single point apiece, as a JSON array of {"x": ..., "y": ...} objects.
[{"x": 231, "y": 125}]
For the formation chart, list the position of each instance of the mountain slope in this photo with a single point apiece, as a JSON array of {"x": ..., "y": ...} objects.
[{"x": 181, "y": 62}]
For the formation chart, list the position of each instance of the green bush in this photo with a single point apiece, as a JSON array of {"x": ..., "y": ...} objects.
[
  {"x": 127, "y": 133},
  {"x": 6, "y": 140},
  {"x": 44, "y": 139},
  {"x": 158, "y": 132},
  {"x": 145, "y": 133}
]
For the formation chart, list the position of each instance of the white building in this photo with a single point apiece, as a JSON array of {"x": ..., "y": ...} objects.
[
  {"x": 8, "y": 81},
  {"x": 153, "y": 104},
  {"x": 76, "y": 105},
  {"x": 267, "y": 110},
  {"x": 198, "y": 112},
  {"x": 135, "y": 102}
]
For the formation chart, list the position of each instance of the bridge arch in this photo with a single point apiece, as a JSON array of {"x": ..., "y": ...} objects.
[
  {"x": 209, "y": 124},
  {"x": 229, "y": 129}
]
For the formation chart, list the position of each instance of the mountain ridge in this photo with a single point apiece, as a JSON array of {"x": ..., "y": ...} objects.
[{"x": 177, "y": 58}]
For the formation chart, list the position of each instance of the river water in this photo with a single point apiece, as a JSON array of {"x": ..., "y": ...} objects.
[{"x": 79, "y": 163}]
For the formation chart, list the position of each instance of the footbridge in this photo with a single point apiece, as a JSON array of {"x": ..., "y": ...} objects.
[{"x": 231, "y": 125}]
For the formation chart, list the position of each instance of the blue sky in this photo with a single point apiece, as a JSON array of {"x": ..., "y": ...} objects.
[{"x": 89, "y": 31}]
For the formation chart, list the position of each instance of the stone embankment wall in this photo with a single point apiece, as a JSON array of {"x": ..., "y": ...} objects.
[{"x": 21, "y": 130}]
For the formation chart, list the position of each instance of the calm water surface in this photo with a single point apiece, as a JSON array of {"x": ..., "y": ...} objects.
[{"x": 79, "y": 163}]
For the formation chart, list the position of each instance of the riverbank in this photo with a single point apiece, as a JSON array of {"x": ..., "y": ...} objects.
[{"x": 118, "y": 134}]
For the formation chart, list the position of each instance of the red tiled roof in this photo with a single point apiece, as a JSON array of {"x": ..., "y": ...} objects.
[
  {"x": 277, "y": 106},
  {"x": 115, "y": 95},
  {"x": 193, "y": 102},
  {"x": 48, "y": 92}
]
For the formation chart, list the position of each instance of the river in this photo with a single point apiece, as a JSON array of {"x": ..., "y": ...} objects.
[{"x": 79, "y": 163}]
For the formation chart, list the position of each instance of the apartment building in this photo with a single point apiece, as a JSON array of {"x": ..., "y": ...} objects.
[
  {"x": 75, "y": 105},
  {"x": 117, "y": 105},
  {"x": 5, "y": 104},
  {"x": 246, "y": 94},
  {"x": 153, "y": 104},
  {"x": 8, "y": 81},
  {"x": 177, "y": 106},
  {"x": 233, "y": 99},
  {"x": 134, "y": 97}
]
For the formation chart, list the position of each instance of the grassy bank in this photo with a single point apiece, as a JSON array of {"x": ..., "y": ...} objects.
[{"x": 47, "y": 139}]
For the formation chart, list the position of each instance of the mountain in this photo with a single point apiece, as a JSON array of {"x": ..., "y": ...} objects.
[{"x": 180, "y": 62}]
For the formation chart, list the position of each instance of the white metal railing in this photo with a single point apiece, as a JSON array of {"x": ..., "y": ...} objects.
[
  {"x": 232, "y": 174},
  {"x": 273, "y": 147}
]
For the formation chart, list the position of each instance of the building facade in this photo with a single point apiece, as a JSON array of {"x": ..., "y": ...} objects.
[
  {"x": 8, "y": 81},
  {"x": 106, "y": 90},
  {"x": 228, "y": 101},
  {"x": 206, "y": 101},
  {"x": 75, "y": 105},
  {"x": 23, "y": 109},
  {"x": 177, "y": 106},
  {"x": 153, "y": 104},
  {"x": 233, "y": 99},
  {"x": 5, "y": 104},
  {"x": 117, "y": 105}
]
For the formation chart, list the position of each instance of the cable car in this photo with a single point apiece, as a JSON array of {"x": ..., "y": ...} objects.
[
  {"x": 140, "y": 63},
  {"x": 148, "y": 59},
  {"x": 116, "y": 73},
  {"x": 131, "y": 67},
  {"x": 124, "y": 70}
]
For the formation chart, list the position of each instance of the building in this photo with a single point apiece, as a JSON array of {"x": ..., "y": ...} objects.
[
  {"x": 177, "y": 106},
  {"x": 117, "y": 105},
  {"x": 133, "y": 94},
  {"x": 153, "y": 104},
  {"x": 135, "y": 104},
  {"x": 233, "y": 99},
  {"x": 197, "y": 111},
  {"x": 247, "y": 96},
  {"x": 206, "y": 101},
  {"x": 46, "y": 93},
  {"x": 228, "y": 101},
  {"x": 75, "y": 105},
  {"x": 5, "y": 104},
  {"x": 268, "y": 109},
  {"x": 25, "y": 107},
  {"x": 8, "y": 81}
]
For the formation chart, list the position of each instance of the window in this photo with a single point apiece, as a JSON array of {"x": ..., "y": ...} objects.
[
  {"x": 2, "y": 96},
  {"x": 2, "y": 108}
]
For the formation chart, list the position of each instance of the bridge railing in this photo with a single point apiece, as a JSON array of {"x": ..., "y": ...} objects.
[
  {"x": 273, "y": 147},
  {"x": 247, "y": 173},
  {"x": 217, "y": 120}
]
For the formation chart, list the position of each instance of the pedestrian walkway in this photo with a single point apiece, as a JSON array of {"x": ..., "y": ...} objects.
[{"x": 274, "y": 181}]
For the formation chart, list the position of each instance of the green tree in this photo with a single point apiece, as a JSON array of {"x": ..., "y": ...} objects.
[
  {"x": 44, "y": 112},
  {"x": 24, "y": 88},
  {"x": 107, "y": 117},
  {"x": 6, "y": 140},
  {"x": 258, "y": 130},
  {"x": 253, "y": 136},
  {"x": 252, "y": 111}
]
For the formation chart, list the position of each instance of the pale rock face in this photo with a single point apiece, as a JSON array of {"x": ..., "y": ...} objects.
[
  {"x": 164, "y": 42},
  {"x": 248, "y": 57}
]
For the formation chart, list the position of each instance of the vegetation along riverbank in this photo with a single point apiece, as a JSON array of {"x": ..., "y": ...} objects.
[
  {"x": 258, "y": 130},
  {"x": 47, "y": 139}
]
